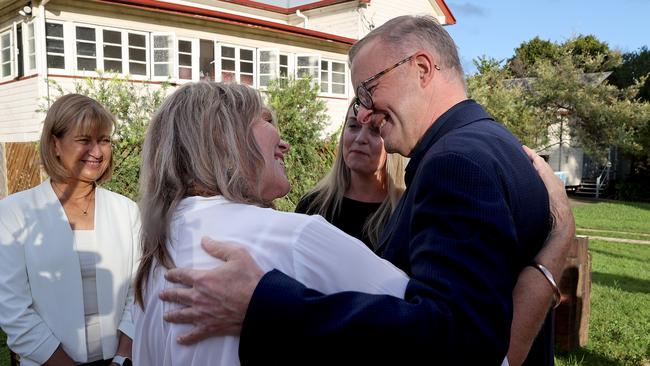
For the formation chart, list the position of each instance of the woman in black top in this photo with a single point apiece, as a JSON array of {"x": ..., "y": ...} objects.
[{"x": 365, "y": 184}]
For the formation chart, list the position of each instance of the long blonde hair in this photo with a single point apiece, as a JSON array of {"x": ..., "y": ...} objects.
[
  {"x": 329, "y": 191},
  {"x": 199, "y": 142}
]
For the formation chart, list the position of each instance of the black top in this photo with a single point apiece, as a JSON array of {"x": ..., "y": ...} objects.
[{"x": 351, "y": 218}]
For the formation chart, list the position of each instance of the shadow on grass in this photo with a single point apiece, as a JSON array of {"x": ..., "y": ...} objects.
[
  {"x": 625, "y": 283},
  {"x": 583, "y": 356},
  {"x": 614, "y": 255}
]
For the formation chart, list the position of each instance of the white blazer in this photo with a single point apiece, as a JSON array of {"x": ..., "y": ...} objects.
[{"x": 41, "y": 298}]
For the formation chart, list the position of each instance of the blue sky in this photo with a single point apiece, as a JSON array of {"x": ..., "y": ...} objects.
[{"x": 496, "y": 27}]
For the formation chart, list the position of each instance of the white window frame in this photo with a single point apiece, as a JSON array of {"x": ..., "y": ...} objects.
[
  {"x": 127, "y": 60},
  {"x": 66, "y": 57},
  {"x": 237, "y": 60},
  {"x": 297, "y": 68},
  {"x": 289, "y": 65},
  {"x": 274, "y": 69},
  {"x": 329, "y": 72},
  {"x": 11, "y": 61},
  {"x": 29, "y": 69},
  {"x": 194, "y": 54},
  {"x": 123, "y": 49},
  {"x": 171, "y": 60},
  {"x": 98, "y": 50}
]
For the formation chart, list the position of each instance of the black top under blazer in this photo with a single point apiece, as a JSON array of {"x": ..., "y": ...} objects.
[{"x": 474, "y": 213}]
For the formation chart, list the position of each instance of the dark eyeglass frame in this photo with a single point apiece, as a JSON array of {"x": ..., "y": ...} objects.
[{"x": 364, "y": 97}]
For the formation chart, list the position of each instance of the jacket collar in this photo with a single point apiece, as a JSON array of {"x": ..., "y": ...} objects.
[{"x": 461, "y": 114}]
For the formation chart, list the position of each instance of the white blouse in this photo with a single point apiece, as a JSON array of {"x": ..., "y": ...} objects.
[{"x": 306, "y": 248}]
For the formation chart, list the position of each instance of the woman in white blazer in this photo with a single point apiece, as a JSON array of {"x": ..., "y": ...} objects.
[{"x": 68, "y": 248}]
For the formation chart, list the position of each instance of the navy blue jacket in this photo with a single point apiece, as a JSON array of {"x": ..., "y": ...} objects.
[{"x": 474, "y": 213}]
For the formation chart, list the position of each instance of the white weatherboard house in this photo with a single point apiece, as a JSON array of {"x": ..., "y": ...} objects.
[{"x": 152, "y": 41}]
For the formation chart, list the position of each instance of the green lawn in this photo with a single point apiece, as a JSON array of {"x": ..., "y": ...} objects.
[{"x": 619, "y": 327}]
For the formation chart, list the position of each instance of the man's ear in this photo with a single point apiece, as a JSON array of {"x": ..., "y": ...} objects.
[{"x": 425, "y": 66}]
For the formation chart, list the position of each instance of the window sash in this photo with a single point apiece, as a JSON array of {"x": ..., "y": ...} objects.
[
  {"x": 6, "y": 55},
  {"x": 333, "y": 80},
  {"x": 185, "y": 70},
  {"x": 268, "y": 66},
  {"x": 29, "y": 47},
  {"x": 308, "y": 65},
  {"x": 162, "y": 56},
  {"x": 52, "y": 40},
  {"x": 234, "y": 65}
]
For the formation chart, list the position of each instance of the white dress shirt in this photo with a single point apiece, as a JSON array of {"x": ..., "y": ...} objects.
[{"x": 306, "y": 248}]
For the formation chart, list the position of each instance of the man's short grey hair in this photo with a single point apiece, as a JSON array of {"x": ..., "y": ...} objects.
[{"x": 408, "y": 33}]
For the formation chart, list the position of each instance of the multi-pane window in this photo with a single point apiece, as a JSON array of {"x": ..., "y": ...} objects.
[
  {"x": 284, "y": 66},
  {"x": 6, "y": 53},
  {"x": 54, "y": 45},
  {"x": 206, "y": 60},
  {"x": 237, "y": 64},
  {"x": 86, "y": 44},
  {"x": 185, "y": 60},
  {"x": 29, "y": 46},
  {"x": 332, "y": 77},
  {"x": 137, "y": 54},
  {"x": 112, "y": 47},
  {"x": 267, "y": 67},
  {"x": 163, "y": 50},
  {"x": 308, "y": 66}
]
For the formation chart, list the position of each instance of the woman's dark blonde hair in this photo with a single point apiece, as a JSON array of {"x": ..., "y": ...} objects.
[
  {"x": 199, "y": 142},
  {"x": 329, "y": 191},
  {"x": 72, "y": 113}
]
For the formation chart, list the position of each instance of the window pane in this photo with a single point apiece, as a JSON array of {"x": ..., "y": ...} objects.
[
  {"x": 338, "y": 67},
  {"x": 54, "y": 30},
  {"x": 57, "y": 62},
  {"x": 228, "y": 65},
  {"x": 161, "y": 70},
  {"x": 185, "y": 46},
  {"x": 6, "y": 69},
  {"x": 32, "y": 61},
  {"x": 206, "y": 60},
  {"x": 284, "y": 71},
  {"x": 264, "y": 80},
  {"x": 323, "y": 65},
  {"x": 113, "y": 51},
  {"x": 246, "y": 55},
  {"x": 303, "y": 73},
  {"x": 161, "y": 56},
  {"x": 227, "y": 77},
  {"x": 227, "y": 52},
  {"x": 5, "y": 41},
  {"x": 86, "y": 49},
  {"x": 338, "y": 89},
  {"x": 247, "y": 79},
  {"x": 161, "y": 41},
  {"x": 185, "y": 60},
  {"x": 86, "y": 34},
  {"x": 86, "y": 63},
  {"x": 137, "y": 69},
  {"x": 265, "y": 68},
  {"x": 307, "y": 61},
  {"x": 6, "y": 54},
  {"x": 55, "y": 45},
  {"x": 265, "y": 56},
  {"x": 324, "y": 87},
  {"x": 112, "y": 37},
  {"x": 185, "y": 73},
  {"x": 284, "y": 60},
  {"x": 137, "y": 54},
  {"x": 115, "y": 66},
  {"x": 137, "y": 40},
  {"x": 338, "y": 78},
  {"x": 246, "y": 67}
]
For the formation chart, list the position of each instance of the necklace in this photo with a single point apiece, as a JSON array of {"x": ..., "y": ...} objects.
[{"x": 83, "y": 211}]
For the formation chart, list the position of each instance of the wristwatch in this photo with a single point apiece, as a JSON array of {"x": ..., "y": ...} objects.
[{"x": 122, "y": 361}]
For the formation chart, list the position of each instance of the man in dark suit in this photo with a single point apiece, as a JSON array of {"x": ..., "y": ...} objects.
[{"x": 473, "y": 218}]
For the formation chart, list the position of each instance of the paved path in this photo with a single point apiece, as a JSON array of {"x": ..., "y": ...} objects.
[{"x": 617, "y": 240}]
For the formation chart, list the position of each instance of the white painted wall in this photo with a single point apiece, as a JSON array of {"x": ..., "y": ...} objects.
[
  {"x": 19, "y": 121},
  {"x": 380, "y": 11},
  {"x": 341, "y": 19}
]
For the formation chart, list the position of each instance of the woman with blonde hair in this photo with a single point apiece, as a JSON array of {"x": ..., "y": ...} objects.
[
  {"x": 363, "y": 187},
  {"x": 68, "y": 248},
  {"x": 213, "y": 162}
]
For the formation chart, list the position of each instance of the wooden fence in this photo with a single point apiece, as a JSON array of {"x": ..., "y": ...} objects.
[{"x": 23, "y": 166}]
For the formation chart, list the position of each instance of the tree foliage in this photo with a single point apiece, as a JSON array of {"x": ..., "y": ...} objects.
[
  {"x": 132, "y": 104},
  {"x": 301, "y": 119},
  {"x": 635, "y": 69}
]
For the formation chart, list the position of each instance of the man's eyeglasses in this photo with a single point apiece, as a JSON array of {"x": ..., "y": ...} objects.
[{"x": 364, "y": 98}]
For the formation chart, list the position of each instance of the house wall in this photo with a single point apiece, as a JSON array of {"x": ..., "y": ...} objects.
[
  {"x": 19, "y": 121},
  {"x": 380, "y": 11},
  {"x": 341, "y": 19}
]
